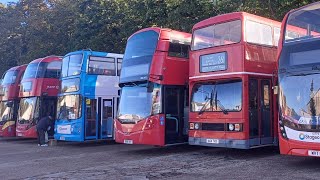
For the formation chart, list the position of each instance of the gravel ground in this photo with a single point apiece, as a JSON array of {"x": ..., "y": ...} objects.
[{"x": 23, "y": 159}]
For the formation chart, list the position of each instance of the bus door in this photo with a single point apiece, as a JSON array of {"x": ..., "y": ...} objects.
[
  {"x": 48, "y": 107},
  {"x": 90, "y": 120},
  {"x": 105, "y": 120},
  {"x": 260, "y": 115},
  {"x": 174, "y": 111}
]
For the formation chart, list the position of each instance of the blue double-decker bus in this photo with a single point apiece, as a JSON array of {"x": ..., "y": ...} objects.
[{"x": 87, "y": 102}]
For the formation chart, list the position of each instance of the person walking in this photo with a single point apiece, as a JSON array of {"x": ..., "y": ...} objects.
[{"x": 43, "y": 125}]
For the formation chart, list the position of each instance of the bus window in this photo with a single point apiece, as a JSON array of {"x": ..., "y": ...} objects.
[
  {"x": 178, "y": 50},
  {"x": 71, "y": 65},
  {"x": 53, "y": 70},
  {"x": 102, "y": 66},
  {"x": 119, "y": 63},
  {"x": 217, "y": 35},
  {"x": 276, "y": 34},
  {"x": 258, "y": 33}
]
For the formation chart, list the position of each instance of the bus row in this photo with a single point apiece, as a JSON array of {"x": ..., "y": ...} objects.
[{"x": 238, "y": 81}]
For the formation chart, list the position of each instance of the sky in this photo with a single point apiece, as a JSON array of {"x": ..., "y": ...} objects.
[{"x": 6, "y": 1}]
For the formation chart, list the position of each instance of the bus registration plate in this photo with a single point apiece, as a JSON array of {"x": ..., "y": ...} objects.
[
  {"x": 19, "y": 134},
  {"x": 128, "y": 141},
  {"x": 213, "y": 141},
  {"x": 314, "y": 153}
]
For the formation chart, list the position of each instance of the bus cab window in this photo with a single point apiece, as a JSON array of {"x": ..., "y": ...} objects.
[{"x": 178, "y": 50}]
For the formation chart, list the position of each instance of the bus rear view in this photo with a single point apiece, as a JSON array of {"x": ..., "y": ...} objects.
[{"x": 299, "y": 82}]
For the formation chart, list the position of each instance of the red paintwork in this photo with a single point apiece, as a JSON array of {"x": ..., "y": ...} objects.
[
  {"x": 11, "y": 92},
  {"x": 242, "y": 57},
  {"x": 161, "y": 65},
  {"x": 148, "y": 131},
  {"x": 40, "y": 87},
  {"x": 292, "y": 147}
]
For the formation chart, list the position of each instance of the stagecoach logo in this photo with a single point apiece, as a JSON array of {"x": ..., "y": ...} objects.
[
  {"x": 301, "y": 136},
  {"x": 308, "y": 137}
]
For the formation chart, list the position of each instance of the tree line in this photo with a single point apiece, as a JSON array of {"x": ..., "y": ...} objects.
[{"x": 31, "y": 29}]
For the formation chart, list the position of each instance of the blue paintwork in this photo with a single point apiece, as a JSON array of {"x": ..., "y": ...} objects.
[{"x": 87, "y": 90}]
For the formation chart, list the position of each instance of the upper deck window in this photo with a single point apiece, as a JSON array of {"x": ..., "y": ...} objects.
[
  {"x": 10, "y": 77},
  {"x": 138, "y": 56},
  {"x": 141, "y": 44},
  {"x": 119, "y": 63},
  {"x": 53, "y": 70},
  {"x": 217, "y": 35},
  {"x": 178, "y": 50},
  {"x": 102, "y": 66},
  {"x": 276, "y": 32},
  {"x": 43, "y": 70},
  {"x": 71, "y": 65},
  {"x": 259, "y": 33},
  {"x": 303, "y": 24}
]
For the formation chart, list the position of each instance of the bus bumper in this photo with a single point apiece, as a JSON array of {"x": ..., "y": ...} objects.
[{"x": 225, "y": 143}]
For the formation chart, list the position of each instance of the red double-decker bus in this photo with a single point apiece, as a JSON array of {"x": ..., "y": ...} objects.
[
  {"x": 38, "y": 92},
  {"x": 232, "y": 62},
  {"x": 154, "y": 78},
  {"x": 299, "y": 82},
  {"x": 9, "y": 103}
]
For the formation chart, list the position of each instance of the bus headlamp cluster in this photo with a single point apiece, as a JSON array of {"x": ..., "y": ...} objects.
[
  {"x": 235, "y": 127},
  {"x": 282, "y": 129},
  {"x": 194, "y": 126}
]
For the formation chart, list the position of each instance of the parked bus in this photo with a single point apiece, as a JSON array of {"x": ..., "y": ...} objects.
[
  {"x": 299, "y": 82},
  {"x": 89, "y": 95},
  {"x": 154, "y": 78},
  {"x": 38, "y": 92},
  {"x": 233, "y": 59},
  {"x": 9, "y": 103}
]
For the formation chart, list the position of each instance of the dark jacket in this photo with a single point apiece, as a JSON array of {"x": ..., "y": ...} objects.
[{"x": 43, "y": 124}]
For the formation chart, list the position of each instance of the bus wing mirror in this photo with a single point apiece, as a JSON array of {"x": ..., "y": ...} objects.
[
  {"x": 275, "y": 89},
  {"x": 150, "y": 87}
]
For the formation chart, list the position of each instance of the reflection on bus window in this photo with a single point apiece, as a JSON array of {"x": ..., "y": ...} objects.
[
  {"x": 28, "y": 110},
  {"x": 69, "y": 107},
  {"x": 102, "y": 66},
  {"x": 119, "y": 65},
  {"x": 217, "y": 96},
  {"x": 53, "y": 70},
  {"x": 135, "y": 99},
  {"x": 10, "y": 77},
  {"x": 259, "y": 33},
  {"x": 71, "y": 65},
  {"x": 217, "y": 35}
]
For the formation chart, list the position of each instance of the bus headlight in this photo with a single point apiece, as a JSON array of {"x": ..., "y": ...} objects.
[
  {"x": 196, "y": 126},
  {"x": 231, "y": 127},
  {"x": 234, "y": 127},
  {"x": 191, "y": 126}
]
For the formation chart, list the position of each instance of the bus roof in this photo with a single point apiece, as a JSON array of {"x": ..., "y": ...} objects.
[
  {"x": 18, "y": 67},
  {"x": 97, "y": 53},
  {"x": 46, "y": 59},
  {"x": 159, "y": 30},
  {"x": 232, "y": 16}
]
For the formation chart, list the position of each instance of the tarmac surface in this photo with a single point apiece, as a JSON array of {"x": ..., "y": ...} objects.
[{"x": 23, "y": 159}]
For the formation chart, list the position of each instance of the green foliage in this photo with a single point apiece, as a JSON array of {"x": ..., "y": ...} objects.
[{"x": 31, "y": 29}]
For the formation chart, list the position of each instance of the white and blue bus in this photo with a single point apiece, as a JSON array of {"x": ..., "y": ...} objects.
[{"x": 87, "y": 102}]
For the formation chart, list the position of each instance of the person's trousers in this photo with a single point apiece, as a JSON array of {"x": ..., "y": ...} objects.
[{"x": 41, "y": 137}]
